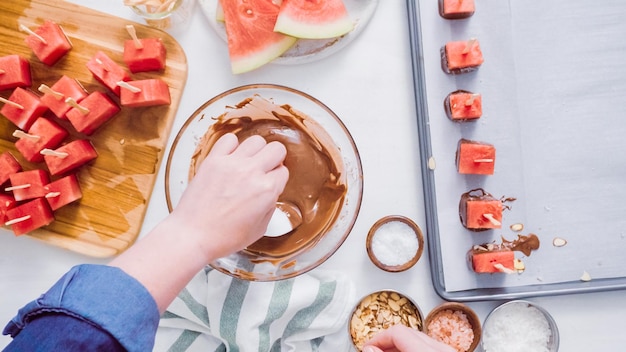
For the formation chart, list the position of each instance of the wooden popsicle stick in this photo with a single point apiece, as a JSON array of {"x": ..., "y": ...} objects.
[
  {"x": 469, "y": 45},
  {"x": 71, "y": 102},
  {"x": 23, "y": 135},
  {"x": 29, "y": 31},
  {"x": 52, "y": 194},
  {"x": 133, "y": 34},
  {"x": 470, "y": 101},
  {"x": 104, "y": 67},
  {"x": 12, "y": 103},
  {"x": 47, "y": 90},
  {"x": 2, "y": 71},
  {"x": 492, "y": 219},
  {"x": 483, "y": 160},
  {"x": 17, "y": 220},
  {"x": 12, "y": 188},
  {"x": 51, "y": 152},
  {"x": 128, "y": 86}
]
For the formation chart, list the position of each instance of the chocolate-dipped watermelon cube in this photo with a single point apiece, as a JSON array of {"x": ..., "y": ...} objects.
[
  {"x": 499, "y": 261},
  {"x": 476, "y": 158},
  {"x": 29, "y": 216},
  {"x": 55, "y": 97},
  {"x": 147, "y": 92},
  {"x": 462, "y": 105},
  {"x": 107, "y": 72},
  {"x": 456, "y": 9},
  {"x": 14, "y": 72},
  {"x": 92, "y": 112},
  {"x": 69, "y": 156},
  {"x": 49, "y": 43},
  {"x": 143, "y": 55},
  {"x": 461, "y": 56},
  {"x": 8, "y": 166},
  {"x": 43, "y": 134},
  {"x": 479, "y": 210},
  {"x": 23, "y": 108},
  {"x": 63, "y": 191},
  {"x": 6, "y": 202},
  {"x": 28, "y": 184}
]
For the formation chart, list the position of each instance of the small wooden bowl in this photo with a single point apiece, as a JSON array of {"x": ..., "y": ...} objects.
[
  {"x": 472, "y": 317},
  {"x": 395, "y": 268}
]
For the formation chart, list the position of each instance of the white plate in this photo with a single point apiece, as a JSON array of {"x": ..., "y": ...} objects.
[{"x": 308, "y": 50}]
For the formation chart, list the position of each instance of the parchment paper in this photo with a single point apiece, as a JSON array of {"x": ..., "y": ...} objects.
[{"x": 554, "y": 105}]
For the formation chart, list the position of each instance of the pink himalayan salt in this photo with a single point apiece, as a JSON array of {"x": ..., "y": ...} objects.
[{"x": 452, "y": 328}]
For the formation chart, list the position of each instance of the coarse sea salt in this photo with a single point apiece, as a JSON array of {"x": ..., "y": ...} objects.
[
  {"x": 516, "y": 327},
  {"x": 394, "y": 243}
]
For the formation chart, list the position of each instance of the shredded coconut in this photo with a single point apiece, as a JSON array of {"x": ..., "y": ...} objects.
[
  {"x": 516, "y": 327},
  {"x": 394, "y": 243},
  {"x": 452, "y": 328}
]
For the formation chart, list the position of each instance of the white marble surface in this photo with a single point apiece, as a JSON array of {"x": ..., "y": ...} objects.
[{"x": 368, "y": 84}]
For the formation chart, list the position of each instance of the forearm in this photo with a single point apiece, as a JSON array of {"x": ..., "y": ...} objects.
[{"x": 164, "y": 261}]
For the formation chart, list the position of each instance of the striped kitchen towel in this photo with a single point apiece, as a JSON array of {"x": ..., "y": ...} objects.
[{"x": 216, "y": 312}]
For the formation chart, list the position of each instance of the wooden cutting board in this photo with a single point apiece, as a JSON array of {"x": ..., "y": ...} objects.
[{"x": 118, "y": 184}]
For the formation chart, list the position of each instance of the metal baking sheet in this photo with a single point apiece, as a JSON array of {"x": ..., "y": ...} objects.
[{"x": 554, "y": 105}]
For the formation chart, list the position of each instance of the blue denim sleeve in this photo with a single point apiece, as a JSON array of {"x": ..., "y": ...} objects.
[{"x": 105, "y": 297}]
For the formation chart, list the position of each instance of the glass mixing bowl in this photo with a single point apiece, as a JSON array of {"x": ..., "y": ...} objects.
[{"x": 244, "y": 264}]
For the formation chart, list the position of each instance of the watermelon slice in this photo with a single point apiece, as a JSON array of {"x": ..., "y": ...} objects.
[
  {"x": 107, "y": 72},
  {"x": 30, "y": 184},
  {"x": 493, "y": 262},
  {"x": 474, "y": 157},
  {"x": 55, "y": 97},
  {"x": 462, "y": 105},
  {"x": 63, "y": 191},
  {"x": 149, "y": 57},
  {"x": 49, "y": 43},
  {"x": 252, "y": 41},
  {"x": 69, "y": 156},
  {"x": 99, "y": 109},
  {"x": 8, "y": 166},
  {"x": 14, "y": 72},
  {"x": 44, "y": 133},
  {"x": 147, "y": 92},
  {"x": 6, "y": 202},
  {"x": 462, "y": 56},
  {"x": 26, "y": 109},
  {"x": 456, "y": 9},
  {"x": 29, "y": 216},
  {"x": 313, "y": 19}
]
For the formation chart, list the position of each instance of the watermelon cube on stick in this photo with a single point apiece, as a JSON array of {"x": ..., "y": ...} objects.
[
  {"x": 252, "y": 41},
  {"x": 474, "y": 157},
  {"x": 147, "y": 92},
  {"x": 92, "y": 112},
  {"x": 28, "y": 184},
  {"x": 456, "y": 9},
  {"x": 43, "y": 134},
  {"x": 107, "y": 72},
  {"x": 493, "y": 261},
  {"x": 142, "y": 55},
  {"x": 29, "y": 216},
  {"x": 462, "y": 105},
  {"x": 63, "y": 191},
  {"x": 56, "y": 97},
  {"x": 14, "y": 72},
  {"x": 48, "y": 42},
  {"x": 6, "y": 202},
  {"x": 313, "y": 19},
  {"x": 69, "y": 156},
  {"x": 22, "y": 108},
  {"x": 462, "y": 56},
  {"x": 479, "y": 210},
  {"x": 8, "y": 166}
]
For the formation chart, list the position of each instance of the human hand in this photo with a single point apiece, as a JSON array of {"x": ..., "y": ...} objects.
[
  {"x": 400, "y": 338},
  {"x": 233, "y": 194}
]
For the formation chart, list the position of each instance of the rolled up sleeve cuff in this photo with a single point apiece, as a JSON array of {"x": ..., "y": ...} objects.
[{"x": 104, "y": 296}]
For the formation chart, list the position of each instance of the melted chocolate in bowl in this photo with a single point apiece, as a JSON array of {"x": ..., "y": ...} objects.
[{"x": 317, "y": 182}]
